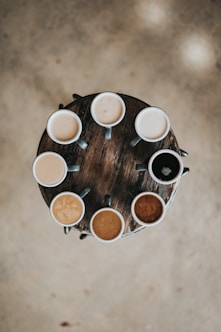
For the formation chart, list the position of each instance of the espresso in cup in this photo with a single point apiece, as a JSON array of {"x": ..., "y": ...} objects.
[
  {"x": 108, "y": 110},
  {"x": 148, "y": 209},
  {"x": 50, "y": 169},
  {"x": 107, "y": 225},
  {"x": 165, "y": 166},
  {"x": 67, "y": 209}
]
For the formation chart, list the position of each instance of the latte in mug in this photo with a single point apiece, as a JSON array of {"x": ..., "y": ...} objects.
[
  {"x": 67, "y": 209},
  {"x": 49, "y": 169},
  {"x": 152, "y": 124},
  {"x": 65, "y": 127},
  {"x": 108, "y": 110}
]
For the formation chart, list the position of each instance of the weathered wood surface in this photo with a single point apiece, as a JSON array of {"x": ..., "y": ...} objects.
[{"x": 108, "y": 166}]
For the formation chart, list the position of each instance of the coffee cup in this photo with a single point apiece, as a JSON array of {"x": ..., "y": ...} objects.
[
  {"x": 166, "y": 166},
  {"x": 65, "y": 127},
  {"x": 50, "y": 169},
  {"x": 148, "y": 209},
  {"x": 107, "y": 224},
  {"x": 152, "y": 124},
  {"x": 108, "y": 110},
  {"x": 67, "y": 209}
]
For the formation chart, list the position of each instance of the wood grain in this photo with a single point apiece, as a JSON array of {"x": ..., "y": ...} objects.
[{"x": 108, "y": 166}]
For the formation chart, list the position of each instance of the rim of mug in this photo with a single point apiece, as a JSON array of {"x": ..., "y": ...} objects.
[
  {"x": 71, "y": 194},
  {"x": 53, "y": 116},
  {"x": 142, "y": 223},
  {"x": 100, "y": 95},
  {"x": 148, "y": 109},
  {"x": 122, "y": 225},
  {"x": 41, "y": 155},
  {"x": 157, "y": 153}
]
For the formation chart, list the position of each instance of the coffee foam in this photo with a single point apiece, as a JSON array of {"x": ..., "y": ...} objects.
[
  {"x": 67, "y": 209},
  {"x": 108, "y": 109},
  {"x": 152, "y": 124}
]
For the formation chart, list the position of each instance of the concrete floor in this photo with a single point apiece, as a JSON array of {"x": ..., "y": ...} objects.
[{"x": 166, "y": 53}]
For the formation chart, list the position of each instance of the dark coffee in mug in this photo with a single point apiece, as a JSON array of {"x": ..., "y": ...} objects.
[
  {"x": 148, "y": 208},
  {"x": 165, "y": 166}
]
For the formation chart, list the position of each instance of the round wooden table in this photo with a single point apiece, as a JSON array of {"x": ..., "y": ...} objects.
[{"x": 108, "y": 167}]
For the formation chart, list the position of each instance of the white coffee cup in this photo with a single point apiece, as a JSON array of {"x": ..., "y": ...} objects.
[
  {"x": 165, "y": 166},
  {"x": 67, "y": 209},
  {"x": 50, "y": 169},
  {"x": 65, "y": 127},
  {"x": 107, "y": 225},
  {"x": 108, "y": 110},
  {"x": 152, "y": 124},
  {"x": 148, "y": 209}
]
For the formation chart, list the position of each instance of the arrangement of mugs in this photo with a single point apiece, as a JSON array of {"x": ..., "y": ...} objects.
[{"x": 107, "y": 224}]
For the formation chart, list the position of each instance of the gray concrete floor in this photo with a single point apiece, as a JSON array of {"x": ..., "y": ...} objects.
[{"x": 166, "y": 53}]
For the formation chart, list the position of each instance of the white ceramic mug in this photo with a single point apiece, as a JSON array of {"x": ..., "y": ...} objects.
[
  {"x": 50, "y": 169},
  {"x": 148, "y": 209},
  {"x": 152, "y": 124},
  {"x": 65, "y": 127},
  {"x": 108, "y": 110}
]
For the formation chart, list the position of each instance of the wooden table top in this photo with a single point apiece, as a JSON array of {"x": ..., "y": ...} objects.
[{"x": 108, "y": 166}]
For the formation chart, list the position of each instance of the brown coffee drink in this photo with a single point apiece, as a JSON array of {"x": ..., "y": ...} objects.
[
  {"x": 148, "y": 208},
  {"x": 67, "y": 209},
  {"x": 107, "y": 224}
]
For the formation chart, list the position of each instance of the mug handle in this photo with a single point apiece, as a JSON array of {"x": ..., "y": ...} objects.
[
  {"x": 141, "y": 167},
  {"x": 67, "y": 230},
  {"x": 74, "y": 168},
  {"x": 84, "y": 192},
  {"x": 107, "y": 201},
  {"x": 183, "y": 153},
  {"x": 108, "y": 133},
  {"x": 185, "y": 171},
  {"x": 82, "y": 144},
  {"x": 135, "y": 141}
]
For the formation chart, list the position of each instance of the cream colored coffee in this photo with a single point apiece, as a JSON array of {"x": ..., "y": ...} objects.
[
  {"x": 49, "y": 169},
  {"x": 64, "y": 127},
  {"x": 67, "y": 209},
  {"x": 152, "y": 124},
  {"x": 108, "y": 109}
]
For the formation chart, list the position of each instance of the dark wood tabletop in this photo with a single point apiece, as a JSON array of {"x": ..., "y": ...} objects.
[{"x": 107, "y": 167}]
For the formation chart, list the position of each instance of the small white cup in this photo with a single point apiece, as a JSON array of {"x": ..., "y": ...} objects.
[
  {"x": 65, "y": 127},
  {"x": 67, "y": 209},
  {"x": 108, "y": 110},
  {"x": 149, "y": 206},
  {"x": 152, "y": 124},
  {"x": 165, "y": 166},
  {"x": 50, "y": 169},
  {"x": 101, "y": 227}
]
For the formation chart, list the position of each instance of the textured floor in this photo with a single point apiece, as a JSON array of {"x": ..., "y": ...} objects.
[{"x": 166, "y": 53}]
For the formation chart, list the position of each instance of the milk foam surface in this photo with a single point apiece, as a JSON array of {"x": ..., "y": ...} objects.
[
  {"x": 67, "y": 209},
  {"x": 152, "y": 124},
  {"x": 49, "y": 169},
  {"x": 64, "y": 127},
  {"x": 108, "y": 109}
]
